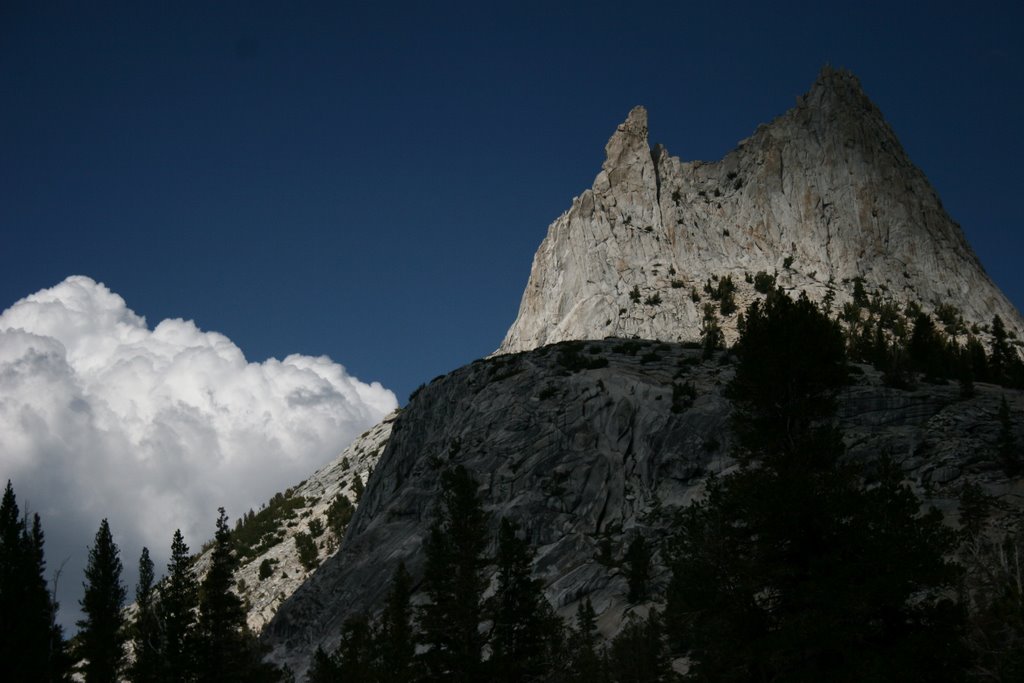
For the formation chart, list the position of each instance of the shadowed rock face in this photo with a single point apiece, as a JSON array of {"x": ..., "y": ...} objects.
[
  {"x": 582, "y": 458},
  {"x": 826, "y": 188}
]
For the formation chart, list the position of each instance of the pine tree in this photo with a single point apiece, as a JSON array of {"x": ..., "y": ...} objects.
[
  {"x": 1006, "y": 445},
  {"x": 1001, "y": 356},
  {"x": 454, "y": 583},
  {"x": 793, "y": 568},
  {"x": 927, "y": 349},
  {"x": 31, "y": 643},
  {"x": 225, "y": 648},
  {"x": 101, "y": 635},
  {"x": 965, "y": 374},
  {"x": 146, "y": 629},
  {"x": 975, "y": 508},
  {"x": 711, "y": 336},
  {"x": 585, "y": 655},
  {"x": 397, "y": 643},
  {"x": 792, "y": 361},
  {"x": 526, "y": 634},
  {"x": 220, "y": 613},
  {"x": 374, "y": 651},
  {"x": 978, "y": 359},
  {"x": 42, "y": 640},
  {"x": 12, "y": 559},
  {"x": 638, "y": 569},
  {"x": 357, "y": 658},
  {"x": 179, "y": 596}
]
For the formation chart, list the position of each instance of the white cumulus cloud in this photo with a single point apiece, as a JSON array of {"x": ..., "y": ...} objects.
[{"x": 154, "y": 429}]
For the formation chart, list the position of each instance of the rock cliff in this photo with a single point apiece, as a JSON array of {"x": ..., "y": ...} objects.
[
  {"x": 586, "y": 445},
  {"x": 822, "y": 195}
]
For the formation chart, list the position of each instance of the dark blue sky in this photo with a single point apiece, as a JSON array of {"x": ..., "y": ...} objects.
[{"x": 370, "y": 180}]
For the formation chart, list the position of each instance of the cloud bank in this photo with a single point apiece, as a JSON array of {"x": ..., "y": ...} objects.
[{"x": 154, "y": 429}]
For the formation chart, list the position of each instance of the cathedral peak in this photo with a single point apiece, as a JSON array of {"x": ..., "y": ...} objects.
[{"x": 822, "y": 197}]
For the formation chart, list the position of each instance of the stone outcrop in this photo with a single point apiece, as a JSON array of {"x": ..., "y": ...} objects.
[
  {"x": 586, "y": 445},
  {"x": 311, "y": 498},
  {"x": 821, "y": 195}
]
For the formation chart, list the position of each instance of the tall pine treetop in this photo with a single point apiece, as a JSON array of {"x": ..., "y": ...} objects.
[{"x": 102, "y": 633}]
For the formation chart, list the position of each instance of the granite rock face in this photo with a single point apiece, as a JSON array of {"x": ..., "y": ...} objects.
[
  {"x": 585, "y": 446},
  {"x": 821, "y": 195}
]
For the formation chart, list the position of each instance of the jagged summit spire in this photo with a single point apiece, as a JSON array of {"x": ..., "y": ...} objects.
[
  {"x": 627, "y": 148},
  {"x": 632, "y": 131},
  {"x": 823, "y": 196}
]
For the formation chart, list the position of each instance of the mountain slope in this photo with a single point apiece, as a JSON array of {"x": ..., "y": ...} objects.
[
  {"x": 272, "y": 569},
  {"x": 586, "y": 446},
  {"x": 822, "y": 195}
]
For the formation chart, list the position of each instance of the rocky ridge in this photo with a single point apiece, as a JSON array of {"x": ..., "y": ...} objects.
[
  {"x": 585, "y": 446},
  {"x": 306, "y": 504},
  {"x": 821, "y": 196}
]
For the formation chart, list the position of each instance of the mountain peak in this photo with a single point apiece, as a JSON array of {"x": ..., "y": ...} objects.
[
  {"x": 627, "y": 155},
  {"x": 836, "y": 81},
  {"x": 822, "y": 197},
  {"x": 837, "y": 95},
  {"x": 630, "y": 134}
]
